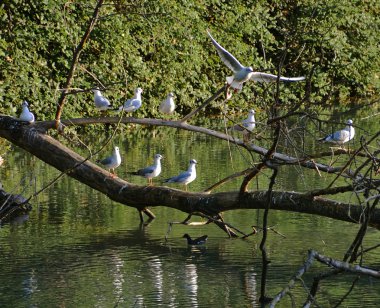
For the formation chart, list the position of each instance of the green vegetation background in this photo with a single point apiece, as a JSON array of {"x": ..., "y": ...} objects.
[{"x": 162, "y": 46}]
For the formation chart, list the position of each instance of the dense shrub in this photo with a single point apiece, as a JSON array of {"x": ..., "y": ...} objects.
[{"x": 162, "y": 46}]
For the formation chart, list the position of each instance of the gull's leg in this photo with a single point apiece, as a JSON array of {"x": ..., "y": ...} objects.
[
  {"x": 332, "y": 156},
  {"x": 113, "y": 175}
]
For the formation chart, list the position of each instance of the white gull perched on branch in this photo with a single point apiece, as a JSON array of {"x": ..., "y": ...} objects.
[
  {"x": 167, "y": 106},
  {"x": 112, "y": 161},
  {"x": 247, "y": 124},
  {"x": 341, "y": 136},
  {"x": 26, "y": 115},
  {"x": 185, "y": 177},
  {"x": 244, "y": 73},
  {"x": 133, "y": 103},
  {"x": 101, "y": 102},
  {"x": 151, "y": 171}
]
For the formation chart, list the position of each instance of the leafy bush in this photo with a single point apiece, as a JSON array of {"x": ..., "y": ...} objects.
[{"x": 162, "y": 46}]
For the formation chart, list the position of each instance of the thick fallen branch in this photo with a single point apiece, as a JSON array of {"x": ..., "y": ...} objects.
[{"x": 62, "y": 158}]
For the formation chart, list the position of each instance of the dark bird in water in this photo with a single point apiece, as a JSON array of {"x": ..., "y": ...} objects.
[{"x": 198, "y": 241}]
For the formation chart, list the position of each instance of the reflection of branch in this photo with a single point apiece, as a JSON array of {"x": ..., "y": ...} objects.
[
  {"x": 348, "y": 292},
  {"x": 77, "y": 52},
  {"x": 266, "y": 161},
  {"x": 314, "y": 255}
]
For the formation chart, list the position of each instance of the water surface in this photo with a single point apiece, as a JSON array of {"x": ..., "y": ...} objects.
[{"x": 79, "y": 249}]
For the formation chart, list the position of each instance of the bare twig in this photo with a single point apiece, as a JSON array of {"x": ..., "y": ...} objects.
[
  {"x": 208, "y": 101},
  {"x": 339, "y": 265},
  {"x": 75, "y": 60}
]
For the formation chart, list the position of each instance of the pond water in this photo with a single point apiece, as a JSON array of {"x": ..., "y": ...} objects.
[{"x": 79, "y": 249}]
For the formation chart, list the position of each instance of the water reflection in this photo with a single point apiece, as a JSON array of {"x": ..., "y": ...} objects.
[
  {"x": 118, "y": 277},
  {"x": 30, "y": 283},
  {"x": 82, "y": 250},
  {"x": 250, "y": 286},
  {"x": 191, "y": 284},
  {"x": 155, "y": 267}
]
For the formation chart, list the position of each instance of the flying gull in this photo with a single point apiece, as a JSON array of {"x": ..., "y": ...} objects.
[{"x": 244, "y": 73}]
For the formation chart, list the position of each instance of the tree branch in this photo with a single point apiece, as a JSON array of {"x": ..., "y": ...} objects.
[
  {"x": 30, "y": 138},
  {"x": 314, "y": 255},
  {"x": 74, "y": 62},
  {"x": 208, "y": 101}
]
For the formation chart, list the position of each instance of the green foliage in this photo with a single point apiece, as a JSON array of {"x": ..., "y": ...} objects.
[{"x": 162, "y": 46}]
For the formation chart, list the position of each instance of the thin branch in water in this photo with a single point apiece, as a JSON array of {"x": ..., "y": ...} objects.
[
  {"x": 338, "y": 265},
  {"x": 348, "y": 292}
]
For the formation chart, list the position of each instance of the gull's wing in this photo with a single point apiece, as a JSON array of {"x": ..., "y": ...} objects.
[
  {"x": 227, "y": 58},
  {"x": 341, "y": 135},
  {"x": 102, "y": 102},
  {"x": 164, "y": 106},
  {"x": 106, "y": 161},
  {"x": 128, "y": 103},
  {"x": 238, "y": 127},
  {"x": 146, "y": 170},
  {"x": 179, "y": 178},
  {"x": 132, "y": 105},
  {"x": 264, "y": 77}
]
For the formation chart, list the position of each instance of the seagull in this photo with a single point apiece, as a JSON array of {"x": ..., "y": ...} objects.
[
  {"x": 244, "y": 73},
  {"x": 167, "y": 106},
  {"x": 112, "y": 161},
  {"x": 151, "y": 171},
  {"x": 197, "y": 241},
  {"x": 133, "y": 103},
  {"x": 101, "y": 102},
  {"x": 341, "y": 136},
  {"x": 247, "y": 124},
  {"x": 26, "y": 115},
  {"x": 185, "y": 177}
]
